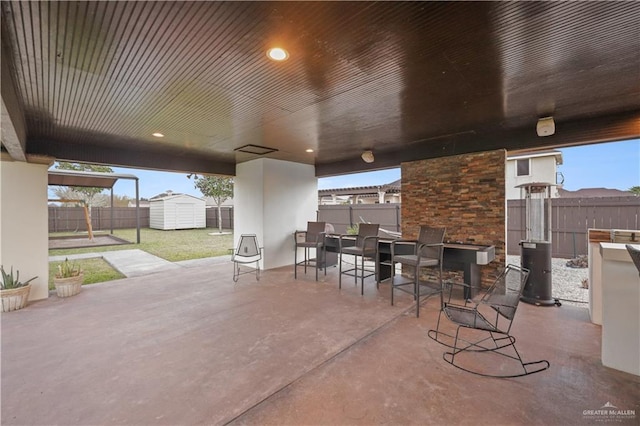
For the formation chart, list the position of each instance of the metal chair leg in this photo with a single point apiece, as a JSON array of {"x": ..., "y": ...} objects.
[
  {"x": 417, "y": 281},
  {"x": 340, "y": 271}
]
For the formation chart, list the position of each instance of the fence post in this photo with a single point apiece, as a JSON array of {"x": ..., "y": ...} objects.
[{"x": 111, "y": 212}]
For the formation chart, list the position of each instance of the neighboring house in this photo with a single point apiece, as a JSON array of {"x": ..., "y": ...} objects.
[
  {"x": 523, "y": 167},
  {"x": 538, "y": 166},
  {"x": 375, "y": 194},
  {"x": 594, "y": 193}
]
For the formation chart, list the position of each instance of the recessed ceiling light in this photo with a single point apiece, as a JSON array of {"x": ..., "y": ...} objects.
[
  {"x": 277, "y": 54},
  {"x": 309, "y": 150},
  {"x": 157, "y": 135}
]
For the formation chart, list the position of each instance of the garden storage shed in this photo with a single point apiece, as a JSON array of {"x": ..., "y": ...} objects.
[{"x": 177, "y": 211}]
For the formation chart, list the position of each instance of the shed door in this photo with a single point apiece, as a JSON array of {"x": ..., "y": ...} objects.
[{"x": 185, "y": 215}]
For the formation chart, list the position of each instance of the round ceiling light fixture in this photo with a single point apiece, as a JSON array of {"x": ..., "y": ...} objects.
[
  {"x": 157, "y": 135},
  {"x": 277, "y": 54},
  {"x": 367, "y": 156}
]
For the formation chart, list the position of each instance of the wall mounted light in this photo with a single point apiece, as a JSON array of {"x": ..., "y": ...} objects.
[
  {"x": 545, "y": 126},
  {"x": 367, "y": 156}
]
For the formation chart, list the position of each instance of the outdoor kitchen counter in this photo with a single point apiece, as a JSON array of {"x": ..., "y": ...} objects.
[{"x": 620, "y": 309}]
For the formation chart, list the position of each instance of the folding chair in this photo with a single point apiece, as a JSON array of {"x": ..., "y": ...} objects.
[
  {"x": 489, "y": 317},
  {"x": 246, "y": 252}
]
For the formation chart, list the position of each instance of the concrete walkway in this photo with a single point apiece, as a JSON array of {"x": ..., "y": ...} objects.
[{"x": 136, "y": 262}]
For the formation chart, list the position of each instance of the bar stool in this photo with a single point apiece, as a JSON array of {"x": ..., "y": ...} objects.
[
  {"x": 363, "y": 245},
  {"x": 312, "y": 238}
]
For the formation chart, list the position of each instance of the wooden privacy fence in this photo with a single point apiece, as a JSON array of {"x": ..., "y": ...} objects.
[
  {"x": 345, "y": 215},
  {"x": 70, "y": 219},
  {"x": 570, "y": 220},
  {"x": 66, "y": 219},
  {"x": 227, "y": 217}
]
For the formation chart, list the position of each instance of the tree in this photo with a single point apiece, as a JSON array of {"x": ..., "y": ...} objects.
[
  {"x": 217, "y": 187},
  {"x": 121, "y": 200},
  {"x": 635, "y": 190},
  {"x": 89, "y": 195}
]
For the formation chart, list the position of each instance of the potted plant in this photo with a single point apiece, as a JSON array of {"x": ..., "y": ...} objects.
[
  {"x": 14, "y": 294},
  {"x": 68, "y": 279}
]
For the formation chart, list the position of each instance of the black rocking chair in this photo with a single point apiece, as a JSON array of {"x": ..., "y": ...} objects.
[
  {"x": 246, "y": 252},
  {"x": 490, "y": 318}
]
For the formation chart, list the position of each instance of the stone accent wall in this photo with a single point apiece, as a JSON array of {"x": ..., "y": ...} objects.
[{"x": 465, "y": 194}]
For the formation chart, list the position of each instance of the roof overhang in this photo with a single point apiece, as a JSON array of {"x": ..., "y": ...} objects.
[
  {"x": 92, "y": 82},
  {"x": 86, "y": 179}
]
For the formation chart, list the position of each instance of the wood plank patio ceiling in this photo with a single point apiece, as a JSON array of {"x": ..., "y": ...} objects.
[{"x": 409, "y": 80}]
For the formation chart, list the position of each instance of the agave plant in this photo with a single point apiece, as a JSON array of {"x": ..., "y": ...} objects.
[
  {"x": 67, "y": 269},
  {"x": 9, "y": 282}
]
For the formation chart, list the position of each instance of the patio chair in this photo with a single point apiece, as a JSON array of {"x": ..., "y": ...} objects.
[
  {"x": 363, "y": 245},
  {"x": 635, "y": 255},
  {"x": 489, "y": 320},
  {"x": 247, "y": 252},
  {"x": 312, "y": 238},
  {"x": 425, "y": 252}
]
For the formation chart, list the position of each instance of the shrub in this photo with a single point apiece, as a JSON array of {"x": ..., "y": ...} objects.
[
  {"x": 9, "y": 282},
  {"x": 67, "y": 269}
]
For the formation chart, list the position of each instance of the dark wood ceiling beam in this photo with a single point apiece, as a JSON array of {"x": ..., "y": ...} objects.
[
  {"x": 619, "y": 127},
  {"x": 14, "y": 134},
  {"x": 133, "y": 157}
]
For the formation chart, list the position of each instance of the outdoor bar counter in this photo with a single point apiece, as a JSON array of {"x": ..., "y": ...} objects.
[{"x": 457, "y": 256}]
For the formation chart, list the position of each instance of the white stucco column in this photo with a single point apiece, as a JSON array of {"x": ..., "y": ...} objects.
[
  {"x": 24, "y": 237},
  {"x": 272, "y": 199}
]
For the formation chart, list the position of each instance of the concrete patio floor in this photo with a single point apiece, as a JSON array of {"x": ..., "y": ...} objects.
[{"x": 187, "y": 346}]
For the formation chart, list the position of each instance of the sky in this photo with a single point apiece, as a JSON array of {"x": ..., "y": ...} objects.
[{"x": 613, "y": 165}]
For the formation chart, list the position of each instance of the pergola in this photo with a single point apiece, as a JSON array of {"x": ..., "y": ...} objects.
[{"x": 96, "y": 180}]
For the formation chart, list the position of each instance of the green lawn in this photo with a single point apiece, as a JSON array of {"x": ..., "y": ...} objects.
[
  {"x": 170, "y": 245},
  {"x": 173, "y": 246},
  {"x": 96, "y": 270}
]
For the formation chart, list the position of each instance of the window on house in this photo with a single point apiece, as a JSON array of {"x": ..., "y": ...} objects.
[{"x": 522, "y": 167}]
